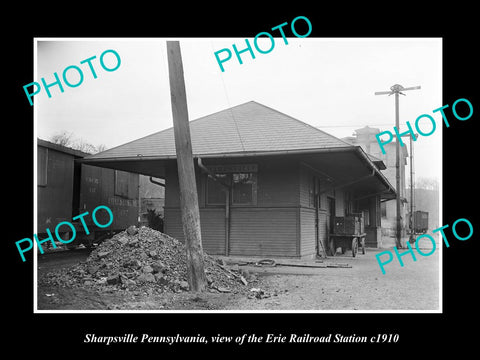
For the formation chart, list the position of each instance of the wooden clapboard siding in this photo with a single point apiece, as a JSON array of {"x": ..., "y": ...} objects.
[
  {"x": 172, "y": 190},
  {"x": 173, "y": 223},
  {"x": 282, "y": 223},
  {"x": 277, "y": 183},
  {"x": 212, "y": 224},
  {"x": 307, "y": 231},
  {"x": 307, "y": 212},
  {"x": 264, "y": 232},
  {"x": 277, "y": 180},
  {"x": 304, "y": 188},
  {"x": 306, "y": 176}
]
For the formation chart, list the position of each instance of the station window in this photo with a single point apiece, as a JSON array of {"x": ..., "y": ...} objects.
[{"x": 243, "y": 189}]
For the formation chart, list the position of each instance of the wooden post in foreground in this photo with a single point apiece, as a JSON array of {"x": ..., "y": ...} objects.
[{"x": 186, "y": 171}]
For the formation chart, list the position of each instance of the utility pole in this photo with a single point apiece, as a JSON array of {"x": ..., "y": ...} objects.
[
  {"x": 186, "y": 171},
  {"x": 397, "y": 89},
  {"x": 412, "y": 194}
]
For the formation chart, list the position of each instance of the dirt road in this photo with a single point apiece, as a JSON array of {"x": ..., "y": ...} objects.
[{"x": 359, "y": 287}]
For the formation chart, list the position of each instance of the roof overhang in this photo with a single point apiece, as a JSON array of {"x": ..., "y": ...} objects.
[
  {"x": 141, "y": 165},
  {"x": 341, "y": 166},
  {"x": 61, "y": 148},
  {"x": 350, "y": 168}
]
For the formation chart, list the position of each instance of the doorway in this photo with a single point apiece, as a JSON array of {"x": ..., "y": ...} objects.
[
  {"x": 330, "y": 222},
  {"x": 330, "y": 214}
]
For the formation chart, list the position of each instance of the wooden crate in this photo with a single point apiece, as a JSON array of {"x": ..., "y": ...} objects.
[{"x": 351, "y": 224}]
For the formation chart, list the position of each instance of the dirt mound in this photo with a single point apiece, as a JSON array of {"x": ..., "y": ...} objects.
[{"x": 144, "y": 259}]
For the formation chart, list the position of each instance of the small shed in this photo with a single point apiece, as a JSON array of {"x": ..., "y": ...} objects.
[{"x": 268, "y": 184}]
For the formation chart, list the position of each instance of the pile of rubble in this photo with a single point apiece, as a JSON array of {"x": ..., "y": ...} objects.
[{"x": 147, "y": 260}]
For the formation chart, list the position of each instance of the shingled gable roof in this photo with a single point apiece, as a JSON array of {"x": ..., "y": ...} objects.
[{"x": 249, "y": 128}]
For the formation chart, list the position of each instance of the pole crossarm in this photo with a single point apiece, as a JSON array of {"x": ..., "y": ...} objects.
[{"x": 397, "y": 89}]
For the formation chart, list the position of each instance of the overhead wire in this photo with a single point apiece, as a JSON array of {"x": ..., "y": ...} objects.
[{"x": 230, "y": 106}]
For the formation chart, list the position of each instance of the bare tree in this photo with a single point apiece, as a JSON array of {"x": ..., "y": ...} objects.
[
  {"x": 67, "y": 139},
  {"x": 101, "y": 147},
  {"x": 428, "y": 183},
  {"x": 63, "y": 138},
  {"x": 82, "y": 145}
]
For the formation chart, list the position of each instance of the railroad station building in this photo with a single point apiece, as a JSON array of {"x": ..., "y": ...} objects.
[{"x": 268, "y": 184}]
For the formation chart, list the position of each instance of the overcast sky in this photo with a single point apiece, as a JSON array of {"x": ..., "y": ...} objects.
[{"x": 326, "y": 82}]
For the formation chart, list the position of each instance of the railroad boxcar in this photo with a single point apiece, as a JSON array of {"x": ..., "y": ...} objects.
[
  {"x": 114, "y": 188},
  {"x": 67, "y": 188},
  {"x": 420, "y": 222}
]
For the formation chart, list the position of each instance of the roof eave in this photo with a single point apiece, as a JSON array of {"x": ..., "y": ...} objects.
[
  {"x": 92, "y": 159},
  {"x": 382, "y": 177}
]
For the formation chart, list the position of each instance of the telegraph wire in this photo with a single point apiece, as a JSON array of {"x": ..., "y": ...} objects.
[{"x": 229, "y": 105}]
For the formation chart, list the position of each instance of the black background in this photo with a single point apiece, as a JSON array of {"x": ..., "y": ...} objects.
[{"x": 60, "y": 335}]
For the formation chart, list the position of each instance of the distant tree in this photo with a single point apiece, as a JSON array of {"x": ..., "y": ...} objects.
[
  {"x": 67, "y": 139},
  {"x": 427, "y": 183},
  {"x": 81, "y": 145},
  {"x": 63, "y": 138},
  {"x": 101, "y": 148}
]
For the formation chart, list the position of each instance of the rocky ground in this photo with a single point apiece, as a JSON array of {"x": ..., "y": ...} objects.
[{"x": 142, "y": 269}]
